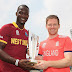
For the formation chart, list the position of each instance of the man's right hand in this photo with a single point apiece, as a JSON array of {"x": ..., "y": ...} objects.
[{"x": 23, "y": 63}]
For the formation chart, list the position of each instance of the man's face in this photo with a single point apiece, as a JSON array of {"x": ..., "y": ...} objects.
[
  {"x": 52, "y": 26},
  {"x": 22, "y": 15}
]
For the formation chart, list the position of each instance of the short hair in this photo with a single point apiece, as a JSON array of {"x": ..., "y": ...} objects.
[
  {"x": 52, "y": 17},
  {"x": 23, "y": 6}
]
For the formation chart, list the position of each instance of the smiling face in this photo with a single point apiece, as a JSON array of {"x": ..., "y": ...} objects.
[
  {"x": 52, "y": 26},
  {"x": 22, "y": 14}
]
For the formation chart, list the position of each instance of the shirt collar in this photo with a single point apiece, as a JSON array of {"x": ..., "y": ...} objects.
[{"x": 16, "y": 25}]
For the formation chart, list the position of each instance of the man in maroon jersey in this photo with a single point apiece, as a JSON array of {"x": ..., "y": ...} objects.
[{"x": 13, "y": 43}]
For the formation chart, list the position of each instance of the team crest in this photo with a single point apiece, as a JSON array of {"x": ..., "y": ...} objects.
[
  {"x": 44, "y": 44},
  {"x": 26, "y": 34},
  {"x": 17, "y": 32}
]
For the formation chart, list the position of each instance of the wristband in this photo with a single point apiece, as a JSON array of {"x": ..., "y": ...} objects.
[{"x": 16, "y": 63}]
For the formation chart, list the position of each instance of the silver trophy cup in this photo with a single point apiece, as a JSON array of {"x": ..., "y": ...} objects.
[{"x": 33, "y": 46}]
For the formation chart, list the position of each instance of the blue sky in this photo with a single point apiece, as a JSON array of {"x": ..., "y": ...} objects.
[{"x": 39, "y": 10}]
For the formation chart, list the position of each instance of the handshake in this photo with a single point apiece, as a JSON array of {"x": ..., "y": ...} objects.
[{"x": 25, "y": 64}]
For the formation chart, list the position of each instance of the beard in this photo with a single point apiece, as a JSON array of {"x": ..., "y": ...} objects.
[{"x": 22, "y": 23}]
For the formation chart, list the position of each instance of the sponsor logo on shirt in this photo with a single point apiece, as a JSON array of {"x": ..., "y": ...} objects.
[
  {"x": 1, "y": 36},
  {"x": 17, "y": 32},
  {"x": 44, "y": 44},
  {"x": 57, "y": 43}
]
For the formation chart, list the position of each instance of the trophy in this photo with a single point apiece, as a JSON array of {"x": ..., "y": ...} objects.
[{"x": 33, "y": 46}]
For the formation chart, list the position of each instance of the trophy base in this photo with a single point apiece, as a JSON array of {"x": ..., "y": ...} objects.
[{"x": 32, "y": 62}]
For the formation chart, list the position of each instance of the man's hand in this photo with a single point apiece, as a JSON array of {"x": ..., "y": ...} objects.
[
  {"x": 41, "y": 64},
  {"x": 23, "y": 63}
]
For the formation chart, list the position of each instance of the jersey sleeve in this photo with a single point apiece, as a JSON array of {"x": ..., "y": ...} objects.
[
  {"x": 40, "y": 49},
  {"x": 4, "y": 34},
  {"x": 67, "y": 45}
]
